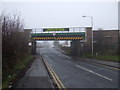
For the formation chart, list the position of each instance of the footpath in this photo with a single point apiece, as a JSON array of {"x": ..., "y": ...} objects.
[
  {"x": 36, "y": 76},
  {"x": 103, "y": 62}
]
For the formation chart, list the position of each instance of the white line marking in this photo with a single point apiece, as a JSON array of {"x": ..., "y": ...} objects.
[{"x": 94, "y": 73}]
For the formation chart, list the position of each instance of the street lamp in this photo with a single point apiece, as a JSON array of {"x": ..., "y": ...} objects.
[{"x": 91, "y": 30}]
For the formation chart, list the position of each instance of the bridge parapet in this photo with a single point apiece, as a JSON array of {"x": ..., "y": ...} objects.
[{"x": 59, "y": 36}]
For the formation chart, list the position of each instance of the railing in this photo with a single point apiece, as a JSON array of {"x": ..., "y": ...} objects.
[{"x": 71, "y": 30}]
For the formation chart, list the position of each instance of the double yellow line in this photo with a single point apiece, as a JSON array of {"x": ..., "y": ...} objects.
[{"x": 55, "y": 77}]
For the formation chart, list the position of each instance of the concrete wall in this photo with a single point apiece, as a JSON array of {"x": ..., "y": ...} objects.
[
  {"x": 75, "y": 48},
  {"x": 88, "y": 43},
  {"x": 80, "y": 48}
]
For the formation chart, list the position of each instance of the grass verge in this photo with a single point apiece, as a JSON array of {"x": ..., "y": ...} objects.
[
  {"x": 104, "y": 57},
  {"x": 17, "y": 71},
  {"x": 100, "y": 57}
]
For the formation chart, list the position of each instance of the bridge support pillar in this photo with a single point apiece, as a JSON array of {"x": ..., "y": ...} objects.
[
  {"x": 75, "y": 48},
  {"x": 82, "y": 48},
  {"x": 33, "y": 47}
]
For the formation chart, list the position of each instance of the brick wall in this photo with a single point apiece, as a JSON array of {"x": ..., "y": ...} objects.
[
  {"x": 105, "y": 41},
  {"x": 109, "y": 36}
]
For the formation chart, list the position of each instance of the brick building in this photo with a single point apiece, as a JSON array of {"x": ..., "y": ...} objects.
[{"x": 105, "y": 41}]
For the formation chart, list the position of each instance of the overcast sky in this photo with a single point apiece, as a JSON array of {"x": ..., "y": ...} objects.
[{"x": 65, "y": 14}]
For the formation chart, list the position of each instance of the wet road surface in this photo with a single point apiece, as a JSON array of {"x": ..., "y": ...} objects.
[{"x": 79, "y": 74}]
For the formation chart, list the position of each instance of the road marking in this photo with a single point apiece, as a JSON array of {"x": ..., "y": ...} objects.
[
  {"x": 52, "y": 75},
  {"x": 94, "y": 73},
  {"x": 55, "y": 77},
  {"x": 115, "y": 68}
]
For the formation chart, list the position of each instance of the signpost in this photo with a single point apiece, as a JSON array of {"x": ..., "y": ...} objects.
[
  {"x": 54, "y": 34},
  {"x": 56, "y": 29}
]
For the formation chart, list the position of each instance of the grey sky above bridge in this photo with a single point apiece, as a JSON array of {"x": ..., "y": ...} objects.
[{"x": 65, "y": 14}]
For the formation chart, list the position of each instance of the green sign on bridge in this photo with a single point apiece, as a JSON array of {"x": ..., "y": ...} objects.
[{"x": 56, "y": 29}]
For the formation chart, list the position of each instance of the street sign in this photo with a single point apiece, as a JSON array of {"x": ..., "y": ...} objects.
[
  {"x": 55, "y": 29},
  {"x": 54, "y": 34}
]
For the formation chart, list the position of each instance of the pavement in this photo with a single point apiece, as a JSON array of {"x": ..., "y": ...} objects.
[
  {"x": 36, "y": 76},
  {"x": 103, "y": 62}
]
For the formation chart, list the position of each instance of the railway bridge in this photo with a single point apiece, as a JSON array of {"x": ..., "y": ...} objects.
[{"x": 78, "y": 38}]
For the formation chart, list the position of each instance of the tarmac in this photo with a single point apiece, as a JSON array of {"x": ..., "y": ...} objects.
[{"x": 36, "y": 76}]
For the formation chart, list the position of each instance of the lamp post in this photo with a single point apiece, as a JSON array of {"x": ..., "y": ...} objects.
[{"x": 91, "y": 30}]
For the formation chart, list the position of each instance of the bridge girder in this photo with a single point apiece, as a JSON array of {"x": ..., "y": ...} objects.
[{"x": 59, "y": 36}]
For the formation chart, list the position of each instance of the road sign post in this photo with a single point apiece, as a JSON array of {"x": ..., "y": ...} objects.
[{"x": 54, "y": 34}]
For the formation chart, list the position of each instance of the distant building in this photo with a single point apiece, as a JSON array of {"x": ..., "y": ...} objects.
[
  {"x": 105, "y": 41},
  {"x": 107, "y": 36}
]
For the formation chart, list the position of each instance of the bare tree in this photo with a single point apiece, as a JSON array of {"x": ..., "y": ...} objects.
[{"x": 14, "y": 42}]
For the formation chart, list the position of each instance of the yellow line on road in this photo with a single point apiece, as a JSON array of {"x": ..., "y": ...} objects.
[
  {"x": 58, "y": 78},
  {"x": 55, "y": 77},
  {"x": 52, "y": 74}
]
